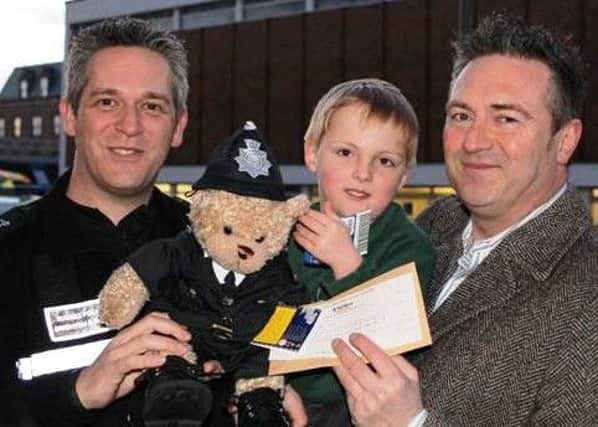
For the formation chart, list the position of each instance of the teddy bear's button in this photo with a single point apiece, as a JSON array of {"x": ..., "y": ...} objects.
[{"x": 227, "y": 301}]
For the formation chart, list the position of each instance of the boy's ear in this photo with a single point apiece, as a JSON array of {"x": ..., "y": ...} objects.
[
  {"x": 403, "y": 180},
  {"x": 310, "y": 155}
]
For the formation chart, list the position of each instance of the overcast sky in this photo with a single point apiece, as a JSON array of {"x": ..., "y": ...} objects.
[{"x": 31, "y": 32}]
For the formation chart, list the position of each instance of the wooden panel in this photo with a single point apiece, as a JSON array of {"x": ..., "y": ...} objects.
[
  {"x": 442, "y": 30},
  {"x": 216, "y": 88},
  {"x": 364, "y": 42},
  {"x": 188, "y": 153},
  {"x": 323, "y": 55},
  {"x": 286, "y": 122},
  {"x": 249, "y": 88},
  {"x": 406, "y": 53}
]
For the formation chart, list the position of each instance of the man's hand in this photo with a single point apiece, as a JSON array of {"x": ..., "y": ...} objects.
[
  {"x": 327, "y": 238},
  {"x": 385, "y": 394},
  {"x": 293, "y": 404},
  {"x": 145, "y": 344}
]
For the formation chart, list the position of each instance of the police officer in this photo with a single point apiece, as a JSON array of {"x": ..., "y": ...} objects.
[{"x": 125, "y": 107}]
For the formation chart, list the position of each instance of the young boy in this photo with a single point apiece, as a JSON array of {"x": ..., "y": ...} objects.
[{"x": 361, "y": 143}]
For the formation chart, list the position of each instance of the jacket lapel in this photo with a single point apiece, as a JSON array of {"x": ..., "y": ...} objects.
[
  {"x": 534, "y": 249},
  {"x": 485, "y": 288}
]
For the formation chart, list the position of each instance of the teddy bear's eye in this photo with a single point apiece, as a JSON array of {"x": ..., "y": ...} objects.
[
  {"x": 228, "y": 230},
  {"x": 260, "y": 239}
]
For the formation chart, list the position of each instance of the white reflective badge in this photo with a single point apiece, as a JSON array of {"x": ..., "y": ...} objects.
[
  {"x": 60, "y": 359},
  {"x": 253, "y": 160},
  {"x": 72, "y": 321}
]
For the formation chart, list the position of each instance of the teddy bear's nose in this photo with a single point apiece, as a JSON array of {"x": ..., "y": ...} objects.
[{"x": 244, "y": 251}]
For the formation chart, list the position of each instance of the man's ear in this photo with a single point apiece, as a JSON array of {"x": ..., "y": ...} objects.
[
  {"x": 68, "y": 115},
  {"x": 567, "y": 139},
  {"x": 310, "y": 155},
  {"x": 179, "y": 129}
]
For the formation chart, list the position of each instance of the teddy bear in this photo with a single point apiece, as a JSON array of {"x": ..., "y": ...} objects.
[{"x": 227, "y": 273}]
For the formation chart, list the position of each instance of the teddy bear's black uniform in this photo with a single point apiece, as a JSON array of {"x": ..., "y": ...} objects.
[
  {"x": 222, "y": 318},
  {"x": 210, "y": 308}
]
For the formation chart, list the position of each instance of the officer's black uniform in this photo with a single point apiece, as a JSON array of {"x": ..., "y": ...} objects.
[{"x": 53, "y": 252}]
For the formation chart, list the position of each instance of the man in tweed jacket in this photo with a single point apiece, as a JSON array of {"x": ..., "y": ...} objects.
[{"x": 512, "y": 302}]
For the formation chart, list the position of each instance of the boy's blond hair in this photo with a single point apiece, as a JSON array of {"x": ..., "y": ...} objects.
[{"x": 382, "y": 100}]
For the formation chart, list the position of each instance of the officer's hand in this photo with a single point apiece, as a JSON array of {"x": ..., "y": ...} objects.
[
  {"x": 213, "y": 367},
  {"x": 128, "y": 354},
  {"x": 293, "y": 405}
]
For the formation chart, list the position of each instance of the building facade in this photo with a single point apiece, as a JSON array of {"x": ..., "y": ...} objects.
[
  {"x": 30, "y": 125},
  {"x": 270, "y": 60}
]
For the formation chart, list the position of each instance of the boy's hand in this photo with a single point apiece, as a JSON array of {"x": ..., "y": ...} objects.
[
  {"x": 327, "y": 238},
  {"x": 293, "y": 405}
]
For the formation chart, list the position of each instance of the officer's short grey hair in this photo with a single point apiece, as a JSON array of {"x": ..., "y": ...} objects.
[{"x": 128, "y": 32}]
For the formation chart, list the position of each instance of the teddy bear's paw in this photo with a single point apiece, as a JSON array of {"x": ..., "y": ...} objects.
[{"x": 122, "y": 297}]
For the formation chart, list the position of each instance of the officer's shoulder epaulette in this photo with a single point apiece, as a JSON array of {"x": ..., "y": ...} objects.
[{"x": 18, "y": 217}]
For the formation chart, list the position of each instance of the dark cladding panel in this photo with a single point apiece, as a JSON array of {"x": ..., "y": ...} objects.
[
  {"x": 216, "y": 88},
  {"x": 249, "y": 73},
  {"x": 323, "y": 55},
  {"x": 364, "y": 42},
  {"x": 406, "y": 47},
  {"x": 565, "y": 17},
  {"x": 589, "y": 34},
  {"x": 484, "y": 8},
  {"x": 442, "y": 30},
  {"x": 189, "y": 152},
  {"x": 589, "y": 150},
  {"x": 286, "y": 122}
]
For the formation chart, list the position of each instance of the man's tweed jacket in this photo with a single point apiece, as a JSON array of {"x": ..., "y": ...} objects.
[{"x": 516, "y": 343}]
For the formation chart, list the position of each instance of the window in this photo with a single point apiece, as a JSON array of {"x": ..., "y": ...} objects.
[
  {"x": 2, "y": 127},
  {"x": 57, "y": 125},
  {"x": 24, "y": 86},
  {"x": 16, "y": 129},
  {"x": 209, "y": 14},
  {"x": 262, "y": 9},
  {"x": 44, "y": 84},
  {"x": 159, "y": 20},
  {"x": 36, "y": 125}
]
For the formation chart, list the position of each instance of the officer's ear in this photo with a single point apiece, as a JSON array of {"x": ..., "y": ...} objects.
[{"x": 69, "y": 118}]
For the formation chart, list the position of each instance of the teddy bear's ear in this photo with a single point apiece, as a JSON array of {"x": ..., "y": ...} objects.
[{"x": 297, "y": 205}]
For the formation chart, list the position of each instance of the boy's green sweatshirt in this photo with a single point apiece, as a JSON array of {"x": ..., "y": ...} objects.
[{"x": 394, "y": 240}]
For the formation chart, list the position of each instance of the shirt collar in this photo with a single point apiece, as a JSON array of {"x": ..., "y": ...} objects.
[
  {"x": 220, "y": 272},
  {"x": 491, "y": 242}
]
